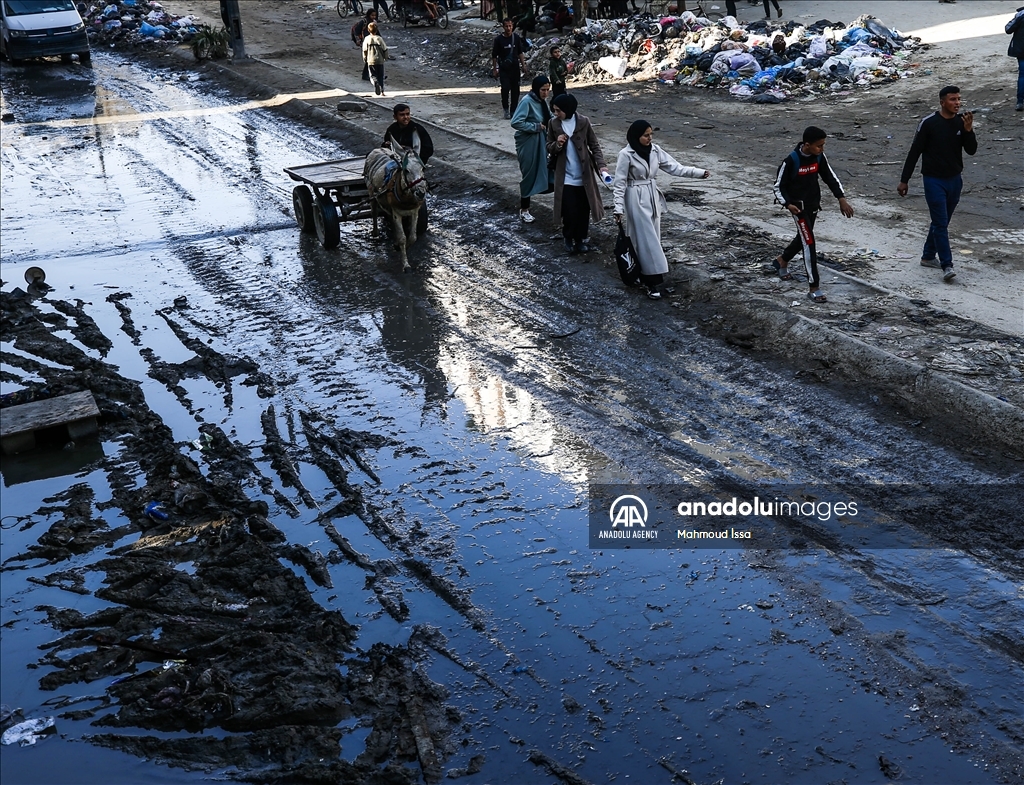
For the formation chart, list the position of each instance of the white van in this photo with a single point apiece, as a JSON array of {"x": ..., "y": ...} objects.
[{"x": 37, "y": 28}]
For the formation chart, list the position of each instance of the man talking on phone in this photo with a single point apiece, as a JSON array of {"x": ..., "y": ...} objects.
[{"x": 941, "y": 139}]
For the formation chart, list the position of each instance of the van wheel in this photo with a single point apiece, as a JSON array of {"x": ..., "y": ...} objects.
[{"x": 85, "y": 58}]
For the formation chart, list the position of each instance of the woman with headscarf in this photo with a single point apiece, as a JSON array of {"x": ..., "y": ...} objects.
[
  {"x": 531, "y": 120},
  {"x": 578, "y": 157},
  {"x": 638, "y": 202}
]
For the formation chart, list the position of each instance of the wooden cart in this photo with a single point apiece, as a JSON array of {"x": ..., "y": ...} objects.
[{"x": 331, "y": 192}]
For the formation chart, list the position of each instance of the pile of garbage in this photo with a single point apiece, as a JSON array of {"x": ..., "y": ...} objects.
[
  {"x": 134, "y": 21},
  {"x": 771, "y": 62}
]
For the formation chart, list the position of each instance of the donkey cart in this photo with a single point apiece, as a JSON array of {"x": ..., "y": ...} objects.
[{"x": 332, "y": 192}]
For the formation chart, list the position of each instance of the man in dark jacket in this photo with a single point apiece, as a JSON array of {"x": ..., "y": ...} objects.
[
  {"x": 942, "y": 138},
  {"x": 408, "y": 133},
  {"x": 796, "y": 189},
  {"x": 509, "y": 61},
  {"x": 1015, "y": 27}
]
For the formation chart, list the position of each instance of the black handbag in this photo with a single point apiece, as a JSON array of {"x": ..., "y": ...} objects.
[{"x": 625, "y": 259}]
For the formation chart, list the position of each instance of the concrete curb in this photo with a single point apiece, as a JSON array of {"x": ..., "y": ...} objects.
[
  {"x": 928, "y": 393},
  {"x": 922, "y": 389}
]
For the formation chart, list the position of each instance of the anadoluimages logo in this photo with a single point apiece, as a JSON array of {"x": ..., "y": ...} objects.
[{"x": 629, "y": 511}]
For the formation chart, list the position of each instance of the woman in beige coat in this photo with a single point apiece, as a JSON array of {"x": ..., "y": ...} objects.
[
  {"x": 375, "y": 53},
  {"x": 638, "y": 202},
  {"x": 578, "y": 159}
]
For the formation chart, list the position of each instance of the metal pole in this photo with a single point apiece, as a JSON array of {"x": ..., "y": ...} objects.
[{"x": 232, "y": 16}]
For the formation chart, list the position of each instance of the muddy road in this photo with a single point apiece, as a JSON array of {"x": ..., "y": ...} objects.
[{"x": 375, "y": 564}]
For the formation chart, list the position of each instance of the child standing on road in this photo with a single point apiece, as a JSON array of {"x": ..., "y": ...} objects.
[
  {"x": 375, "y": 54},
  {"x": 557, "y": 72},
  {"x": 796, "y": 188}
]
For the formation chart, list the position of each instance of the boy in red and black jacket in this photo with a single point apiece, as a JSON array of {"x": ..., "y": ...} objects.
[{"x": 796, "y": 189}]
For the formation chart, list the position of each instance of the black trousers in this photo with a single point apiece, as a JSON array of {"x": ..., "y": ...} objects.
[
  {"x": 376, "y": 73},
  {"x": 767, "y": 10},
  {"x": 557, "y": 89},
  {"x": 509, "y": 78},
  {"x": 730, "y": 7},
  {"x": 804, "y": 242},
  {"x": 575, "y": 213}
]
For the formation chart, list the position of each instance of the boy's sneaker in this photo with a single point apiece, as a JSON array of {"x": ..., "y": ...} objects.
[
  {"x": 1020, "y": 106},
  {"x": 931, "y": 263},
  {"x": 948, "y": 274},
  {"x": 507, "y": 115},
  {"x": 525, "y": 216}
]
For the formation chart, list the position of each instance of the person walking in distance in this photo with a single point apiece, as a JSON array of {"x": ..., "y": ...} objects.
[
  {"x": 558, "y": 71},
  {"x": 796, "y": 188},
  {"x": 638, "y": 202},
  {"x": 375, "y": 54},
  {"x": 768, "y": 11},
  {"x": 1015, "y": 27},
  {"x": 358, "y": 32},
  {"x": 507, "y": 55},
  {"x": 941, "y": 139}
]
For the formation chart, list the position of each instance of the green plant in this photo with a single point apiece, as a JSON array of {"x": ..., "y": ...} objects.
[{"x": 210, "y": 43}]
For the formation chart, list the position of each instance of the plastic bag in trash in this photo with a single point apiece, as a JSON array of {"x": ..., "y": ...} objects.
[
  {"x": 616, "y": 66},
  {"x": 857, "y": 34},
  {"x": 29, "y": 732},
  {"x": 110, "y": 10},
  {"x": 819, "y": 47}
]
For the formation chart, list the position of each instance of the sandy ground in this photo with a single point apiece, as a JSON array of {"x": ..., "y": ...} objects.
[{"x": 741, "y": 143}]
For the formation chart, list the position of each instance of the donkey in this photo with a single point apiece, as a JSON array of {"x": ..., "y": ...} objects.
[{"x": 394, "y": 178}]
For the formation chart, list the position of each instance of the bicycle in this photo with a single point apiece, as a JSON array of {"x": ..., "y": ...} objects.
[{"x": 350, "y": 8}]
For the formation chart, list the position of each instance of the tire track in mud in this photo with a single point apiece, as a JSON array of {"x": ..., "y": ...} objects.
[
  {"x": 253, "y": 652},
  {"x": 738, "y": 379}
]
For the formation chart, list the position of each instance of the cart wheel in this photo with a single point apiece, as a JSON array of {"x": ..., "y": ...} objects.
[
  {"x": 328, "y": 227},
  {"x": 421, "y": 221},
  {"x": 442, "y": 16},
  {"x": 302, "y": 201},
  {"x": 405, "y": 16}
]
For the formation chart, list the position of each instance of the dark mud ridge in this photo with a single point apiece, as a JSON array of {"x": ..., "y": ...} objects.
[{"x": 207, "y": 627}]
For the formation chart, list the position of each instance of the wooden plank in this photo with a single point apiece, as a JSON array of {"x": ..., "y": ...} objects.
[{"x": 35, "y": 416}]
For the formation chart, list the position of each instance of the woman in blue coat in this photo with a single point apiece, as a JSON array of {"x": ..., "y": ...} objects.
[{"x": 531, "y": 123}]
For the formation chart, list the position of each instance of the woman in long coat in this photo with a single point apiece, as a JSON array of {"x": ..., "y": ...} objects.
[
  {"x": 572, "y": 140},
  {"x": 531, "y": 123},
  {"x": 639, "y": 203}
]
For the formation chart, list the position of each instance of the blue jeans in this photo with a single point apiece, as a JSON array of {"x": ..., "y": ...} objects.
[
  {"x": 1020, "y": 80},
  {"x": 942, "y": 195}
]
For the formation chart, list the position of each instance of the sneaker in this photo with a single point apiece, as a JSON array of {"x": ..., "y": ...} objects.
[
  {"x": 948, "y": 274},
  {"x": 780, "y": 12},
  {"x": 507, "y": 115},
  {"x": 1020, "y": 106},
  {"x": 377, "y": 90},
  {"x": 525, "y": 216},
  {"x": 583, "y": 246},
  {"x": 931, "y": 263},
  {"x": 570, "y": 246},
  {"x": 653, "y": 294}
]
